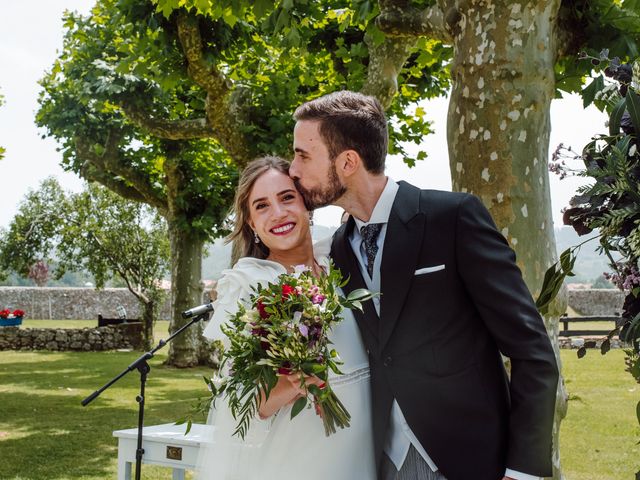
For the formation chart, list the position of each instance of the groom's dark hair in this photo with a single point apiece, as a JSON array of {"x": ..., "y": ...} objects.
[{"x": 350, "y": 121}]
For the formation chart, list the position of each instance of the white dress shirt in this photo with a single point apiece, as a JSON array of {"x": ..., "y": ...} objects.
[{"x": 400, "y": 436}]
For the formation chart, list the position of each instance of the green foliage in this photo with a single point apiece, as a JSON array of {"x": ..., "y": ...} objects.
[
  {"x": 588, "y": 29},
  {"x": 611, "y": 203},
  {"x": 273, "y": 57},
  {"x": 94, "y": 230},
  {"x": 109, "y": 60},
  {"x": 554, "y": 278}
]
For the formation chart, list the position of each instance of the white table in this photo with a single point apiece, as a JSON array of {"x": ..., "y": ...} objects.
[{"x": 164, "y": 445}]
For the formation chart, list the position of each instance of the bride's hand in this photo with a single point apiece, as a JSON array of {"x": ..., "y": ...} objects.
[
  {"x": 301, "y": 388},
  {"x": 288, "y": 389}
]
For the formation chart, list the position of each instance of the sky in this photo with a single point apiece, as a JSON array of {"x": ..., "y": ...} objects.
[{"x": 26, "y": 53}]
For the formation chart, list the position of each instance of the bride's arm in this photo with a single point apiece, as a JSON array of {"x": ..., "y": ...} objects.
[{"x": 286, "y": 391}]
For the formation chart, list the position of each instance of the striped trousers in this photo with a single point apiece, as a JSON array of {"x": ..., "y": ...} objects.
[{"x": 413, "y": 468}]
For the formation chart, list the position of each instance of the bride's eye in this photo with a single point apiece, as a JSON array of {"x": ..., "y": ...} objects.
[
  {"x": 260, "y": 206},
  {"x": 289, "y": 196}
]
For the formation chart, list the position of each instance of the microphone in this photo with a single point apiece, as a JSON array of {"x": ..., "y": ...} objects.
[{"x": 195, "y": 311}]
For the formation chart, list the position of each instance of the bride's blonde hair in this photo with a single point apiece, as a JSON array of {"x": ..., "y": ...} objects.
[{"x": 242, "y": 232}]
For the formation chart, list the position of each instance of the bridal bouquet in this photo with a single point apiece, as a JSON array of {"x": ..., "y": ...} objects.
[{"x": 284, "y": 330}]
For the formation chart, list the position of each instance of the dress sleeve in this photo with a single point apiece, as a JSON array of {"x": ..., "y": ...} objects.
[{"x": 230, "y": 290}]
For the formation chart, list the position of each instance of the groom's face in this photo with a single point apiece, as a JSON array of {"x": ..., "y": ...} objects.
[{"x": 312, "y": 169}]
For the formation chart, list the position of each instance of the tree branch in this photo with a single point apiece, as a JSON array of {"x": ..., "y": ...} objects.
[
  {"x": 385, "y": 62},
  {"x": 170, "y": 129},
  {"x": 400, "y": 18},
  {"x": 109, "y": 170},
  {"x": 223, "y": 113}
]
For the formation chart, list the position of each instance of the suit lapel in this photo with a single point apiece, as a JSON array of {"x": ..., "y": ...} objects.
[
  {"x": 344, "y": 258},
  {"x": 403, "y": 240}
]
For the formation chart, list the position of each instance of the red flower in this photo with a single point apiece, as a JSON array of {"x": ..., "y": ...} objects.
[
  {"x": 261, "y": 309},
  {"x": 287, "y": 290},
  {"x": 285, "y": 369},
  {"x": 18, "y": 313},
  {"x": 4, "y": 313}
]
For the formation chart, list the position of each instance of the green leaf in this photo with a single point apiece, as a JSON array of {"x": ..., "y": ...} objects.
[
  {"x": 261, "y": 8},
  {"x": 616, "y": 116},
  {"x": 298, "y": 406},
  {"x": 311, "y": 368},
  {"x": 589, "y": 92},
  {"x": 359, "y": 294},
  {"x": 315, "y": 390},
  {"x": 633, "y": 105},
  {"x": 566, "y": 261},
  {"x": 553, "y": 278}
]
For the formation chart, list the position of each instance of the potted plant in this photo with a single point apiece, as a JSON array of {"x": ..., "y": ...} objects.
[{"x": 11, "y": 319}]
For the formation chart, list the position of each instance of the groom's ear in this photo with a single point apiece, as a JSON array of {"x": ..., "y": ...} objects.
[{"x": 349, "y": 162}]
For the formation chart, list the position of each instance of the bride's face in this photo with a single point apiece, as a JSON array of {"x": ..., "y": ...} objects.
[{"x": 277, "y": 212}]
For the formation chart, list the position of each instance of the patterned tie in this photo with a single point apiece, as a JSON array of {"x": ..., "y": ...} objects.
[{"x": 370, "y": 240}]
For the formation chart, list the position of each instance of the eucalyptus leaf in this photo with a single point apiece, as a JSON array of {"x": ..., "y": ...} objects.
[{"x": 298, "y": 406}]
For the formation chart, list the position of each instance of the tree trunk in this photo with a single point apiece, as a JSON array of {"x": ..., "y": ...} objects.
[
  {"x": 498, "y": 131},
  {"x": 148, "y": 319},
  {"x": 186, "y": 292}
]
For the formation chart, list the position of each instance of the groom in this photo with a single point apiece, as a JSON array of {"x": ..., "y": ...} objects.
[{"x": 452, "y": 299}]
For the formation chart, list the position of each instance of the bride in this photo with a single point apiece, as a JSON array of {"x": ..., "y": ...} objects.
[{"x": 273, "y": 227}]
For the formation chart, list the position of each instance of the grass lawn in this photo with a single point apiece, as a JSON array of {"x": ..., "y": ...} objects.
[
  {"x": 46, "y": 434},
  {"x": 599, "y": 436}
]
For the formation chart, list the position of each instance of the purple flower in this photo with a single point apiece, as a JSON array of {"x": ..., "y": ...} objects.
[
  {"x": 317, "y": 299},
  {"x": 304, "y": 330}
]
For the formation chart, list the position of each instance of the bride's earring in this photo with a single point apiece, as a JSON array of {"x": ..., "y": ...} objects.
[
  {"x": 311, "y": 219},
  {"x": 256, "y": 238}
]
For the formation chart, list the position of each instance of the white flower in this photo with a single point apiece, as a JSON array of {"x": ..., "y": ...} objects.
[
  {"x": 299, "y": 269},
  {"x": 296, "y": 317},
  {"x": 633, "y": 150}
]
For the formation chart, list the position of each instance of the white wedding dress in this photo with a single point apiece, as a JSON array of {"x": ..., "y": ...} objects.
[{"x": 280, "y": 448}]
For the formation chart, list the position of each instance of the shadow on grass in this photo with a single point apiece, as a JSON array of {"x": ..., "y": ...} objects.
[{"x": 45, "y": 433}]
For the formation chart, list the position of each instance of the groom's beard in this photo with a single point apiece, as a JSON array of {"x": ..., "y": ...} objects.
[{"x": 319, "y": 196}]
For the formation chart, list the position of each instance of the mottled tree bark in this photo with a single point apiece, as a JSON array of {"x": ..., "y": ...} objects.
[{"x": 498, "y": 130}]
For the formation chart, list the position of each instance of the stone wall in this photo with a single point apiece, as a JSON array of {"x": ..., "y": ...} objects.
[
  {"x": 86, "y": 303},
  {"x": 54, "y": 303},
  {"x": 593, "y": 302},
  {"x": 112, "y": 337}
]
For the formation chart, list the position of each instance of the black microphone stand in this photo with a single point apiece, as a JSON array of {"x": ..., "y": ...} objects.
[{"x": 143, "y": 367}]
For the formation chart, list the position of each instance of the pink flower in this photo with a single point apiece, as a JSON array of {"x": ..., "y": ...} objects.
[{"x": 317, "y": 299}]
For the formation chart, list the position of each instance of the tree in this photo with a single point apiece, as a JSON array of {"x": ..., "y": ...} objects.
[
  {"x": 95, "y": 230},
  {"x": 164, "y": 107}
]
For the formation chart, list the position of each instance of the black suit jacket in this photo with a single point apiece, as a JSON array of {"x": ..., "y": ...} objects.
[{"x": 436, "y": 346}]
